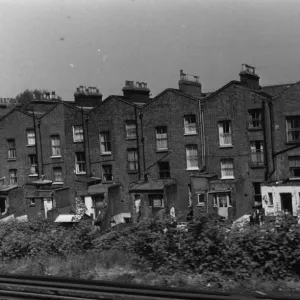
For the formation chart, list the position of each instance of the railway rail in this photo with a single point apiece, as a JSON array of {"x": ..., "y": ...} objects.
[{"x": 32, "y": 287}]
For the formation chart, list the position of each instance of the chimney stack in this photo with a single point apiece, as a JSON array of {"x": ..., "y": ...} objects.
[
  {"x": 136, "y": 92},
  {"x": 190, "y": 85},
  {"x": 249, "y": 78},
  {"x": 87, "y": 96}
]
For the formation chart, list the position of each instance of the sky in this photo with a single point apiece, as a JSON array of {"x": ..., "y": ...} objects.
[{"x": 59, "y": 45}]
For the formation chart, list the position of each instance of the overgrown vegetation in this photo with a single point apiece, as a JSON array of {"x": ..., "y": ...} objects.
[{"x": 206, "y": 248}]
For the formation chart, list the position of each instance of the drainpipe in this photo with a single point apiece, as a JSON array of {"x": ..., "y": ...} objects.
[
  {"x": 88, "y": 144},
  {"x": 202, "y": 137},
  {"x": 265, "y": 141},
  {"x": 143, "y": 141},
  {"x": 84, "y": 138},
  {"x": 137, "y": 141},
  {"x": 41, "y": 146},
  {"x": 270, "y": 105},
  {"x": 36, "y": 144}
]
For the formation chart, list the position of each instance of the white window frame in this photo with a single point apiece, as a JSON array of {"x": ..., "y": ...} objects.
[
  {"x": 78, "y": 134},
  {"x": 189, "y": 126},
  {"x": 216, "y": 199},
  {"x": 33, "y": 166},
  {"x": 30, "y": 137},
  {"x": 290, "y": 131},
  {"x": 253, "y": 120},
  {"x": 257, "y": 154},
  {"x": 132, "y": 162},
  {"x": 296, "y": 165},
  {"x": 13, "y": 176},
  {"x": 105, "y": 143},
  {"x": 131, "y": 129},
  {"x": 53, "y": 138},
  {"x": 161, "y": 138},
  {"x": 225, "y": 138},
  {"x": 78, "y": 162},
  {"x": 223, "y": 169},
  {"x": 54, "y": 173},
  {"x": 152, "y": 199},
  {"x": 199, "y": 203},
  {"x": 104, "y": 179},
  {"x": 12, "y": 151},
  {"x": 188, "y": 160}
]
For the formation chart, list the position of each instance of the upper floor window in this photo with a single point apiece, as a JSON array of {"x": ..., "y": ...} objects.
[
  {"x": 293, "y": 129},
  {"x": 255, "y": 118},
  {"x": 132, "y": 157},
  {"x": 227, "y": 168},
  {"x": 164, "y": 169},
  {"x": 190, "y": 124},
  {"x": 192, "y": 157},
  {"x": 13, "y": 178},
  {"x": 107, "y": 173},
  {"x": 130, "y": 129},
  {"x": 33, "y": 164},
  {"x": 80, "y": 166},
  {"x": 78, "y": 133},
  {"x": 105, "y": 143},
  {"x": 294, "y": 166},
  {"x": 161, "y": 138},
  {"x": 11, "y": 144},
  {"x": 225, "y": 133},
  {"x": 57, "y": 171},
  {"x": 55, "y": 145},
  {"x": 257, "y": 152},
  {"x": 30, "y": 137}
]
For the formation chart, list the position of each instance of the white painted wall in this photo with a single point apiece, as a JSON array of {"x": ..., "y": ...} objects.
[
  {"x": 276, "y": 190},
  {"x": 89, "y": 206}
]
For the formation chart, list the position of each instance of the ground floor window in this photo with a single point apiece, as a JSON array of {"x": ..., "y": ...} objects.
[
  {"x": 221, "y": 200},
  {"x": 2, "y": 205},
  {"x": 156, "y": 200}
]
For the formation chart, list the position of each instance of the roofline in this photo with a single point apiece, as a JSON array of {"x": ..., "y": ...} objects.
[
  {"x": 13, "y": 110},
  {"x": 116, "y": 97},
  {"x": 173, "y": 91},
  {"x": 280, "y": 93}
]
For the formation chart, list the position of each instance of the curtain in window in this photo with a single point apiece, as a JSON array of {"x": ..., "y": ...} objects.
[{"x": 192, "y": 156}]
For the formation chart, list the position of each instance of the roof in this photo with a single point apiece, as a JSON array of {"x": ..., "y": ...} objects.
[
  {"x": 99, "y": 188},
  {"x": 8, "y": 187},
  {"x": 151, "y": 186},
  {"x": 275, "y": 89},
  {"x": 66, "y": 219},
  {"x": 89, "y": 179}
]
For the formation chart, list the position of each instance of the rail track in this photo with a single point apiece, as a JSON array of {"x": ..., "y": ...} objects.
[{"x": 31, "y": 287}]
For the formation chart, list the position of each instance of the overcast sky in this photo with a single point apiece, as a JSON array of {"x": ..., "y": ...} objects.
[{"x": 61, "y": 44}]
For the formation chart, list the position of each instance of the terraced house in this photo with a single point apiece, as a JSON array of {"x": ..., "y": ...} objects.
[{"x": 131, "y": 157}]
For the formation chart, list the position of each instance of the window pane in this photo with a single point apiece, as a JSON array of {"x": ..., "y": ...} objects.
[
  {"x": 78, "y": 133},
  {"x": 132, "y": 158},
  {"x": 192, "y": 156},
  {"x": 30, "y": 137},
  {"x": 225, "y": 133},
  {"x": 130, "y": 129},
  {"x": 293, "y": 128},
  {"x": 57, "y": 174},
  {"x": 161, "y": 137},
  {"x": 226, "y": 168},
  {"x": 190, "y": 124}
]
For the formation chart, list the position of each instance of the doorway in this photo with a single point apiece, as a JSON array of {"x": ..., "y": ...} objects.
[{"x": 286, "y": 202}]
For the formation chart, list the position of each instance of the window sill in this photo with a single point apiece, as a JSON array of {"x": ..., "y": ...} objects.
[
  {"x": 225, "y": 146},
  {"x": 294, "y": 178},
  {"x": 81, "y": 173},
  {"x": 255, "y": 129},
  {"x": 33, "y": 175},
  {"x": 191, "y": 133},
  {"x": 132, "y": 172},
  {"x": 57, "y": 182},
  {"x": 257, "y": 166},
  {"x": 192, "y": 169},
  {"x": 58, "y": 156},
  {"x": 30, "y": 145},
  {"x": 200, "y": 205},
  {"x": 105, "y": 153},
  {"x": 12, "y": 159},
  {"x": 292, "y": 142},
  {"x": 130, "y": 138},
  {"x": 225, "y": 178}
]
